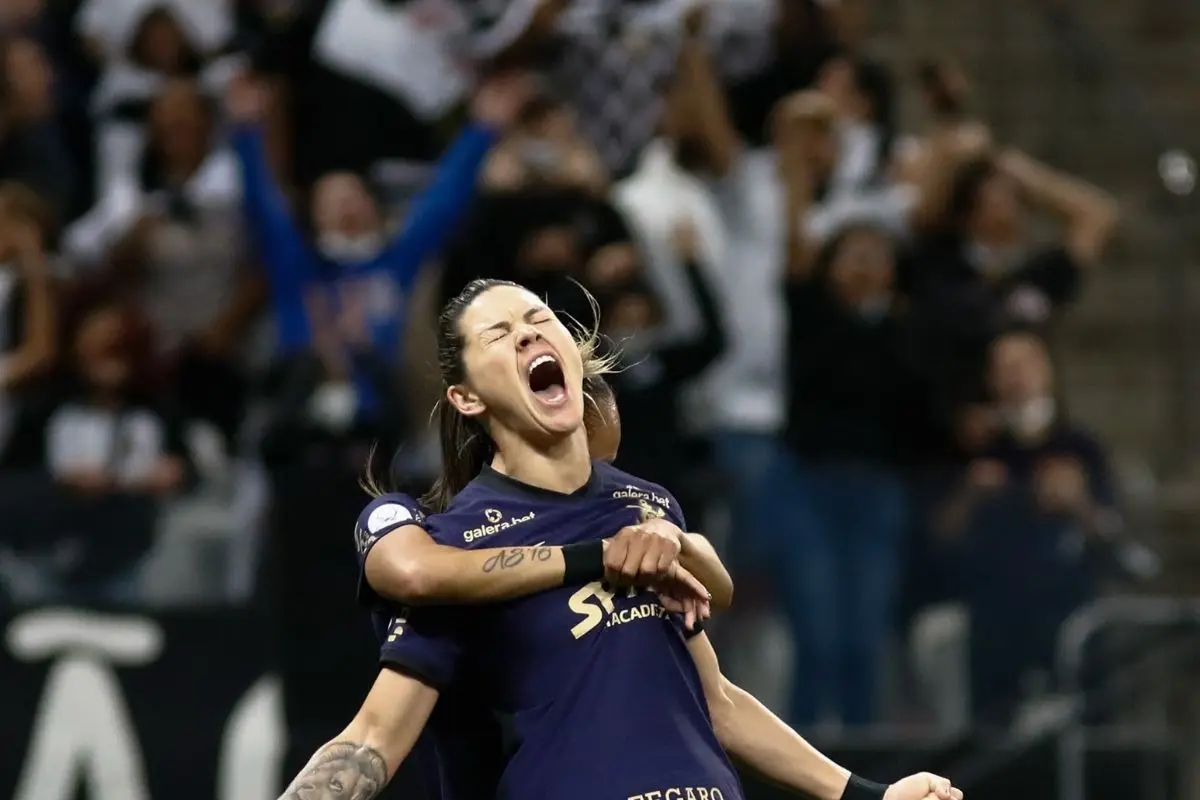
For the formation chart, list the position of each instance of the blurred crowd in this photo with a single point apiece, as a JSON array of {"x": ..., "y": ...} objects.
[{"x": 226, "y": 226}]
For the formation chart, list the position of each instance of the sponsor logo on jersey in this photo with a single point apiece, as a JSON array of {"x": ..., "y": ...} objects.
[
  {"x": 495, "y": 523},
  {"x": 648, "y": 511},
  {"x": 631, "y": 492}
]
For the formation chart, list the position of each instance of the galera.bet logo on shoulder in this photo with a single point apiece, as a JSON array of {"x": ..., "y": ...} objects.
[{"x": 495, "y": 523}]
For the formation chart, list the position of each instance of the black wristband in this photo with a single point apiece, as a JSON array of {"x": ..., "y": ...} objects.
[
  {"x": 863, "y": 789},
  {"x": 583, "y": 562}
]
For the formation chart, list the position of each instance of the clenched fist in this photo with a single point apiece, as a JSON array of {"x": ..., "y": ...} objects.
[{"x": 923, "y": 786}]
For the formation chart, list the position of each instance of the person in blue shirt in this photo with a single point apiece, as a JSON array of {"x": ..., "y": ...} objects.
[
  {"x": 341, "y": 293},
  {"x": 611, "y": 697}
]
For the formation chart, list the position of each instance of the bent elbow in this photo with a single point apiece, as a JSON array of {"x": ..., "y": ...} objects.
[
  {"x": 413, "y": 584},
  {"x": 722, "y": 596},
  {"x": 399, "y": 577}
]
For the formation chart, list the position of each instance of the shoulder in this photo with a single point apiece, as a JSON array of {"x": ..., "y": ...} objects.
[
  {"x": 385, "y": 514},
  {"x": 652, "y": 499}
]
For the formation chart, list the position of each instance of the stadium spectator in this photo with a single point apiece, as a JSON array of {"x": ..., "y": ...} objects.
[
  {"x": 110, "y": 451},
  {"x": 186, "y": 261},
  {"x": 545, "y": 219},
  {"x": 862, "y": 91},
  {"x": 660, "y": 196},
  {"x": 977, "y": 271},
  {"x": 32, "y": 150},
  {"x": 1037, "y": 507},
  {"x": 139, "y": 47},
  {"x": 657, "y": 367},
  {"x": 854, "y": 393},
  {"x": 341, "y": 299}
]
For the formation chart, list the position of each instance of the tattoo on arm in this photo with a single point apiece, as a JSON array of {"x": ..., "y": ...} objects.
[
  {"x": 340, "y": 771},
  {"x": 514, "y": 557}
]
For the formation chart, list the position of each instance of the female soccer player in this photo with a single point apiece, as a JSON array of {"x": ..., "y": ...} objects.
[
  {"x": 610, "y": 700},
  {"x": 408, "y": 566}
]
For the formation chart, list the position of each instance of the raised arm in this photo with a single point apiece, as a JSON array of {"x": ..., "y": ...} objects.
[
  {"x": 282, "y": 247},
  {"x": 436, "y": 212},
  {"x": 1089, "y": 213},
  {"x": 705, "y": 97},
  {"x": 754, "y": 736},
  {"x": 360, "y": 761}
]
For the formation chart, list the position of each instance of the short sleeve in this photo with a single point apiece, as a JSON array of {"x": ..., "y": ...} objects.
[
  {"x": 424, "y": 643},
  {"x": 382, "y": 515}
]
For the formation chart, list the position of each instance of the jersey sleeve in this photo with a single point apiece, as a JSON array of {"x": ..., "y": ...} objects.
[
  {"x": 382, "y": 515},
  {"x": 425, "y": 643}
]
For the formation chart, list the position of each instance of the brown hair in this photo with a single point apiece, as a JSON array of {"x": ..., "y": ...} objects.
[{"x": 466, "y": 446}]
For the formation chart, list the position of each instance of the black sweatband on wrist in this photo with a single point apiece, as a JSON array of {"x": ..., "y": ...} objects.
[
  {"x": 863, "y": 789},
  {"x": 583, "y": 562}
]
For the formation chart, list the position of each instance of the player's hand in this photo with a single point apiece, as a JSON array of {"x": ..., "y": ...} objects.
[
  {"x": 642, "y": 553},
  {"x": 923, "y": 786},
  {"x": 683, "y": 593}
]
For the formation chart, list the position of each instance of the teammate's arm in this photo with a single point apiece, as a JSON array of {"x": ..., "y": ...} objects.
[
  {"x": 408, "y": 565},
  {"x": 649, "y": 548},
  {"x": 750, "y": 733},
  {"x": 361, "y": 760},
  {"x": 700, "y": 558}
]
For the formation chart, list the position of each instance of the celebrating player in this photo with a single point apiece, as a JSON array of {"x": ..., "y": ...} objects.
[
  {"x": 611, "y": 700},
  {"x": 460, "y": 752}
]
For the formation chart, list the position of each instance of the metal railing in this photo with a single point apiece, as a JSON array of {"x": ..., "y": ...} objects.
[{"x": 1075, "y": 636}]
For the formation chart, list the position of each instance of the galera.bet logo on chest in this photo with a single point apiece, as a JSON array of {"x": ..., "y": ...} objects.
[
  {"x": 649, "y": 505},
  {"x": 495, "y": 524}
]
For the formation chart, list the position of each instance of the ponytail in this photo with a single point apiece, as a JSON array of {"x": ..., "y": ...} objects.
[{"x": 466, "y": 449}]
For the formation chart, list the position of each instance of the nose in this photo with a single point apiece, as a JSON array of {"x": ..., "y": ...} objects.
[{"x": 527, "y": 336}]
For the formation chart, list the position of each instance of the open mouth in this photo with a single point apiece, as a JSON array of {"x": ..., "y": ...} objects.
[{"x": 546, "y": 380}]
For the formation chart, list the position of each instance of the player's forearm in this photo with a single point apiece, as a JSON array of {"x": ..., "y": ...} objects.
[
  {"x": 699, "y": 558},
  {"x": 438, "y": 573},
  {"x": 754, "y": 736},
  {"x": 342, "y": 768},
  {"x": 364, "y": 756}
]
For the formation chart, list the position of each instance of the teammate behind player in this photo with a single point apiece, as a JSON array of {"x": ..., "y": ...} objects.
[{"x": 577, "y": 668}]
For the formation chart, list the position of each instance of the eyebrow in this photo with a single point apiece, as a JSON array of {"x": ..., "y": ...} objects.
[{"x": 507, "y": 326}]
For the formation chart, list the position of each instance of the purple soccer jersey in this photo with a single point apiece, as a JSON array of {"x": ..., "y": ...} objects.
[{"x": 604, "y": 697}]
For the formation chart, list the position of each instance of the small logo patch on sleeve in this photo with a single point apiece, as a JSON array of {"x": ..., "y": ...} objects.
[{"x": 386, "y": 516}]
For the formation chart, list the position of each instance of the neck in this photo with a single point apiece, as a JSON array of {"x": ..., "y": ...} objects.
[{"x": 562, "y": 466}]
